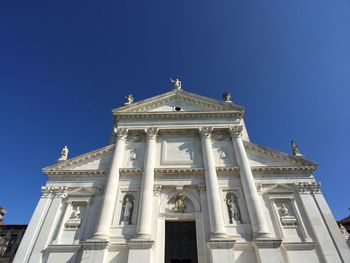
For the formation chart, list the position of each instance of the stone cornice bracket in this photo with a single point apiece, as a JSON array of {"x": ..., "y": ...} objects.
[
  {"x": 206, "y": 132},
  {"x": 151, "y": 133},
  {"x": 121, "y": 133},
  {"x": 202, "y": 187},
  {"x": 157, "y": 189},
  {"x": 236, "y": 131},
  {"x": 305, "y": 187},
  {"x": 54, "y": 191}
]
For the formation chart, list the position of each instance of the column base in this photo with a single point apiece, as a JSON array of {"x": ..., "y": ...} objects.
[
  {"x": 99, "y": 236},
  {"x": 94, "y": 250},
  {"x": 140, "y": 250},
  {"x": 218, "y": 235},
  {"x": 221, "y": 250},
  {"x": 263, "y": 236}
]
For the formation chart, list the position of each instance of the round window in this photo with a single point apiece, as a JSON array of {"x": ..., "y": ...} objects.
[{"x": 177, "y": 108}]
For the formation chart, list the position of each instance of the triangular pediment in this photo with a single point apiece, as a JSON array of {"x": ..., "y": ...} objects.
[
  {"x": 262, "y": 156},
  {"x": 279, "y": 189},
  {"x": 178, "y": 100},
  {"x": 97, "y": 160}
]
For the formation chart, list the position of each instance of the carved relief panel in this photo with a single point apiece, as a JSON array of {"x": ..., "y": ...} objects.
[
  {"x": 135, "y": 150},
  {"x": 223, "y": 149}
]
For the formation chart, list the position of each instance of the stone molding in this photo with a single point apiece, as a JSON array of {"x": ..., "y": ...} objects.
[
  {"x": 202, "y": 187},
  {"x": 77, "y": 172},
  {"x": 92, "y": 244},
  {"x": 179, "y": 171},
  {"x": 278, "y": 169},
  {"x": 305, "y": 187},
  {"x": 130, "y": 171},
  {"x": 54, "y": 191}
]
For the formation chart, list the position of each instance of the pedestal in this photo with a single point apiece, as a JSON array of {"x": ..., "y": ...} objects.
[
  {"x": 221, "y": 250},
  {"x": 95, "y": 251},
  {"x": 140, "y": 251}
]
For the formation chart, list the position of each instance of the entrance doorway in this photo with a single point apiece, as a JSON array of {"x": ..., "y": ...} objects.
[{"x": 180, "y": 242}]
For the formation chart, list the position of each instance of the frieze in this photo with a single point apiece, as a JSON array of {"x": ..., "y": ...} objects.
[
  {"x": 54, "y": 191},
  {"x": 77, "y": 172},
  {"x": 276, "y": 169},
  {"x": 305, "y": 187}
]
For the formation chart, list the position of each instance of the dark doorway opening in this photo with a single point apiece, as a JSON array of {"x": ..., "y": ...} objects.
[{"x": 180, "y": 242}]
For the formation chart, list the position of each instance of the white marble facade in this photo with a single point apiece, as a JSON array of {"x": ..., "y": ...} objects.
[{"x": 182, "y": 157}]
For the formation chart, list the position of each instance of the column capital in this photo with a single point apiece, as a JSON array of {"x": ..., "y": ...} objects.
[
  {"x": 121, "y": 133},
  {"x": 151, "y": 133},
  {"x": 205, "y": 132},
  {"x": 236, "y": 131}
]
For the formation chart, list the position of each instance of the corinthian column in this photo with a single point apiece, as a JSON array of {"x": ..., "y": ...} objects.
[
  {"x": 214, "y": 201},
  {"x": 111, "y": 188},
  {"x": 144, "y": 227},
  {"x": 247, "y": 180}
]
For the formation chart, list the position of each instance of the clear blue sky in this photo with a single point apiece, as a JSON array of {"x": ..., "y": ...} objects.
[{"x": 65, "y": 64}]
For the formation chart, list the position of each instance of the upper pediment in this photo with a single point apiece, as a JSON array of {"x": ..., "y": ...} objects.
[
  {"x": 178, "y": 101},
  {"x": 261, "y": 156},
  {"x": 94, "y": 162}
]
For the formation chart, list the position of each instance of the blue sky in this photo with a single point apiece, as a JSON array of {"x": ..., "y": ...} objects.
[{"x": 65, "y": 64}]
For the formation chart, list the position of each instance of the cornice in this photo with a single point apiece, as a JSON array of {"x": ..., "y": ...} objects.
[
  {"x": 130, "y": 171},
  {"x": 76, "y": 172},
  {"x": 277, "y": 154},
  {"x": 59, "y": 166},
  {"x": 227, "y": 170},
  {"x": 177, "y": 115},
  {"x": 283, "y": 169},
  {"x": 179, "y": 171}
]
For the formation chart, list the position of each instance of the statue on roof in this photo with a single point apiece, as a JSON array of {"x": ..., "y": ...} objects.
[
  {"x": 2, "y": 213},
  {"x": 227, "y": 96},
  {"x": 176, "y": 84},
  {"x": 295, "y": 149},
  {"x": 128, "y": 99},
  {"x": 64, "y": 154}
]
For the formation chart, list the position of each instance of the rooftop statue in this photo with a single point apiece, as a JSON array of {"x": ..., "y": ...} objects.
[
  {"x": 176, "y": 84},
  {"x": 295, "y": 150},
  {"x": 227, "y": 96},
  {"x": 128, "y": 99},
  {"x": 64, "y": 154},
  {"x": 2, "y": 213}
]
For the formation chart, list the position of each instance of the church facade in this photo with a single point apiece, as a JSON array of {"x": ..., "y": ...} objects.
[{"x": 181, "y": 182}]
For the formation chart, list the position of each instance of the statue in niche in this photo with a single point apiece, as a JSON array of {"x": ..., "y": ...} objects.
[
  {"x": 233, "y": 210},
  {"x": 223, "y": 155},
  {"x": 176, "y": 84},
  {"x": 284, "y": 210},
  {"x": 227, "y": 96},
  {"x": 295, "y": 149},
  {"x": 132, "y": 156},
  {"x": 180, "y": 205},
  {"x": 127, "y": 209},
  {"x": 128, "y": 99},
  {"x": 76, "y": 213},
  {"x": 64, "y": 154}
]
